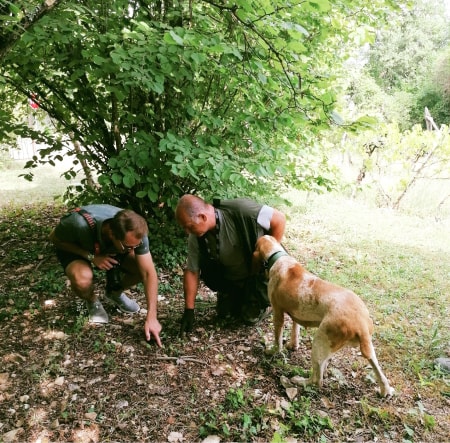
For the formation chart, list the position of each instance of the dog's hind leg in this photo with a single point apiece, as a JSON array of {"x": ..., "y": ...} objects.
[
  {"x": 320, "y": 354},
  {"x": 368, "y": 351}
]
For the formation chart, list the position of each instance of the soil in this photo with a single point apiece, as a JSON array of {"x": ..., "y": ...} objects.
[{"x": 63, "y": 379}]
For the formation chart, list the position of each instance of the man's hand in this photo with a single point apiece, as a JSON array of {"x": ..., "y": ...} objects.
[
  {"x": 187, "y": 321},
  {"x": 152, "y": 328},
  {"x": 104, "y": 262}
]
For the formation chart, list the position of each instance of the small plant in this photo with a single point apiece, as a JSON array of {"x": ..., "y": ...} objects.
[
  {"x": 419, "y": 415},
  {"x": 236, "y": 419},
  {"x": 109, "y": 363},
  {"x": 375, "y": 414},
  {"x": 174, "y": 287},
  {"x": 436, "y": 341},
  {"x": 408, "y": 434},
  {"x": 429, "y": 422},
  {"x": 48, "y": 283},
  {"x": 302, "y": 422},
  {"x": 102, "y": 345},
  {"x": 77, "y": 326},
  {"x": 210, "y": 424},
  {"x": 235, "y": 399}
]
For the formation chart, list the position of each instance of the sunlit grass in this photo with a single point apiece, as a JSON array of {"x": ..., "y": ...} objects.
[
  {"x": 47, "y": 186},
  {"x": 398, "y": 264}
]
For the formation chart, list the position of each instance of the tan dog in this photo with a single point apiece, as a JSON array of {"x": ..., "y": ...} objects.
[{"x": 340, "y": 315}]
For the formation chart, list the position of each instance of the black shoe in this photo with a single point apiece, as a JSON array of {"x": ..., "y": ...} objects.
[
  {"x": 227, "y": 307},
  {"x": 252, "y": 314}
]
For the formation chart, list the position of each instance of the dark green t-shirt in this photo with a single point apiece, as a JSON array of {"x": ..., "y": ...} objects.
[{"x": 233, "y": 253}]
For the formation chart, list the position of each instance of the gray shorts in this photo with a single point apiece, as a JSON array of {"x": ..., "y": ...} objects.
[{"x": 65, "y": 258}]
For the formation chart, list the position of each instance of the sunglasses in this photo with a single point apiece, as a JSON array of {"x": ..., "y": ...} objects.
[{"x": 129, "y": 248}]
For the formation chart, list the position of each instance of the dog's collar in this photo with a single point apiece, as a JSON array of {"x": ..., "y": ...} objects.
[{"x": 273, "y": 258}]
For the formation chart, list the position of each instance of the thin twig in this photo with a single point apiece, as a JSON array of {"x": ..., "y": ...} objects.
[
  {"x": 9, "y": 241},
  {"x": 183, "y": 358},
  {"x": 42, "y": 261}
]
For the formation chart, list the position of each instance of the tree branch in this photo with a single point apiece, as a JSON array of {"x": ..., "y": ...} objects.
[{"x": 10, "y": 38}]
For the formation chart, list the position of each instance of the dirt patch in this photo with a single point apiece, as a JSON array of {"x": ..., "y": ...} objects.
[{"x": 62, "y": 379}]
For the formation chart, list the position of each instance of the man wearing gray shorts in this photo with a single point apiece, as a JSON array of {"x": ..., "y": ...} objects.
[{"x": 113, "y": 240}]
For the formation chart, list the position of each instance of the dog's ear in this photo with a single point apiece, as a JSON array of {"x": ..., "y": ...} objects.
[{"x": 257, "y": 259}]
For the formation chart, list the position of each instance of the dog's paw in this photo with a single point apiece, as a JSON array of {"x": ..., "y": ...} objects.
[
  {"x": 292, "y": 346},
  {"x": 389, "y": 392},
  {"x": 300, "y": 381}
]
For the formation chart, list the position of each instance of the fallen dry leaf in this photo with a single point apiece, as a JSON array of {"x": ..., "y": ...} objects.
[
  {"x": 218, "y": 371},
  {"x": 59, "y": 381},
  {"x": 11, "y": 436},
  {"x": 4, "y": 376},
  {"x": 211, "y": 439},
  {"x": 175, "y": 437},
  {"x": 327, "y": 403},
  {"x": 90, "y": 416}
]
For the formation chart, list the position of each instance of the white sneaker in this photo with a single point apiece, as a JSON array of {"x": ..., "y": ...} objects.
[
  {"x": 124, "y": 303},
  {"x": 97, "y": 313}
]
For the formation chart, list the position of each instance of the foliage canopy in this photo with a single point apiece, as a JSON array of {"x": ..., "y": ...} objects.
[{"x": 171, "y": 97}]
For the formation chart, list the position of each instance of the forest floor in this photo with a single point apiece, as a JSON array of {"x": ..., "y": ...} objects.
[{"x": 63, "y": 379}]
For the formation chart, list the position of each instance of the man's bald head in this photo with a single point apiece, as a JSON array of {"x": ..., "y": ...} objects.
[
  {"x": 190, "y": 206},
  {"x": 194, "y": 215}
]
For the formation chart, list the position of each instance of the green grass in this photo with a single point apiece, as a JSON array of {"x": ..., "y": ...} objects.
[
  {"x": 399, "y": 264},
  {"x": 47, "y": 186}
]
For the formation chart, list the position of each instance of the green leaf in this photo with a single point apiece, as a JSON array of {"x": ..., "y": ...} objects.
[
  {"x": 367, "y": 121},
  {"x": 14, "y": 10},
  {"x": 176, "y": 38},
  {"x": 128, "y": 181},
  {"x": 98, "y": 60},
  {"x": 117, "y": 179},
  {"x": 198, "y": 57},
  {"x": 199, "y": 162},
  {"x": 321, "y": 5},
  {"x": 153, "y": 196}
]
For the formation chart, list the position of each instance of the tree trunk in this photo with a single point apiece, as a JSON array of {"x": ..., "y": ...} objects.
[{"x": 87, "y": 172}]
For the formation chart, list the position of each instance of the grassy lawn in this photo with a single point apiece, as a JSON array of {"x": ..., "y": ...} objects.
[
  {"x": 62, "y": 379},
  {"x": 399, "y": 265},
  {"x": 47, "y": 186}
]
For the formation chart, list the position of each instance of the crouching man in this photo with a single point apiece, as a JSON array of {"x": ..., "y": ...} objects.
[{"x": 113, "y": 240}]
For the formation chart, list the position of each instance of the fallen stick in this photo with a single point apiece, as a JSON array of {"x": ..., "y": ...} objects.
[{"x": 183, "y": 358}]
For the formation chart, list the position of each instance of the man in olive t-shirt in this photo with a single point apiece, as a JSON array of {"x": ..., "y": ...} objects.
[{"x": 221, "y": 242}]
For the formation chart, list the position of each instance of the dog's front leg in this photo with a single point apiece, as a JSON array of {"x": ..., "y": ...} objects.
[
  {"x": 278, "y": 323},
  {"x": 295, "y": 332}
]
